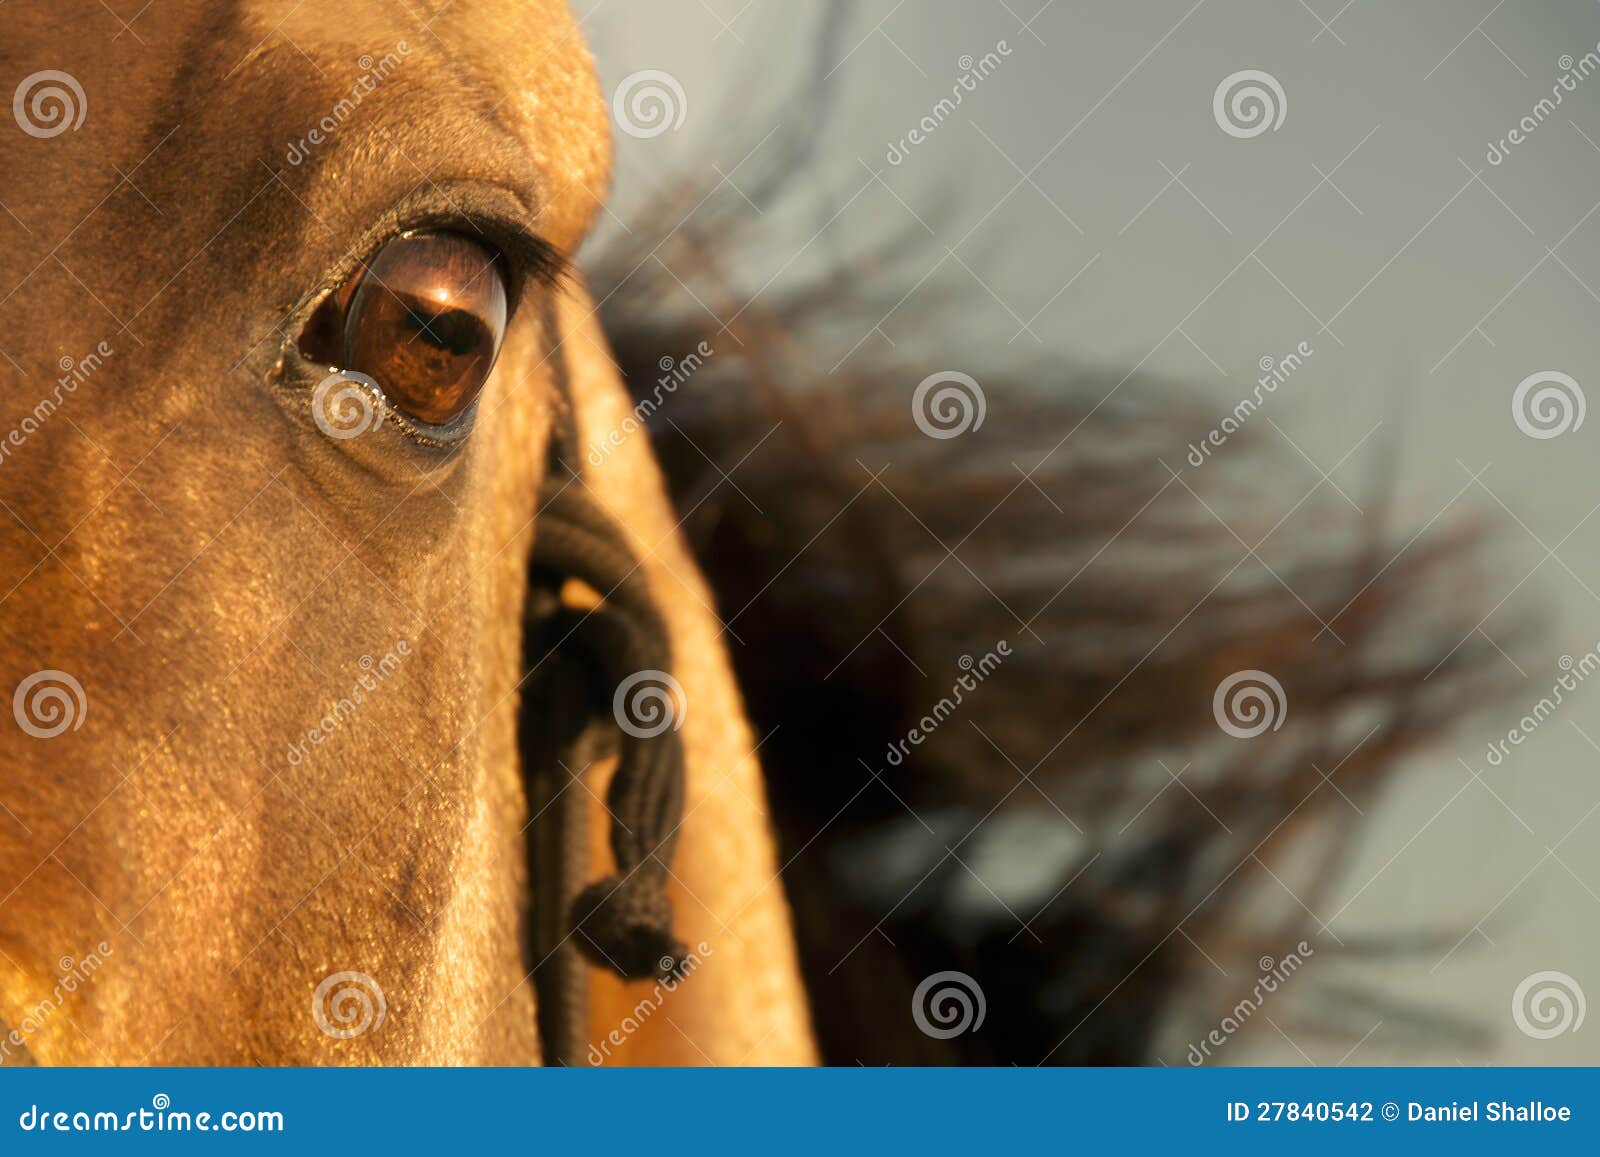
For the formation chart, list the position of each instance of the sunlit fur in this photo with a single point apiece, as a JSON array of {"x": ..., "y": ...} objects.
[{"x": 186, "y": 543}]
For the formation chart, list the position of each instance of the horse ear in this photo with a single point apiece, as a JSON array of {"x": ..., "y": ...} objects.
[{"x": 736, "y": 996}]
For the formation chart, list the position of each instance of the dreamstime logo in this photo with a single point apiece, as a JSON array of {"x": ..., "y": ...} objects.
[
  {"x": 674, "y": 373},
  {"x": 676, "y": 972},
  {"x": 74, "y": 372},
  {"x": 72, "y": 974},
  {"x": 948, "y": 1004},
  {"x": 373, "y": 73},
  {"x": 975, "y": 672},
  {"x": 1548, "y": 1004},
  {"x": 160, "y": 1117},
  {"x": 1274, "y": 974},
  {"x": 1572, "y": 71},
  {"x": 1574, "y": 672},
  {"x": 1248, "y": 103},
  {"x": 1274, "y": 372},
  {"x": 49, "y": 702},
  {"x": 1548, "y": 404},
  {"x": 648, "y": 703},
  {"x": 47, "y": 104},
  {"x": 347, "y": 1004},
  {"x": 374, "y": 672},
  {"x": 972, "y": 71},
  {"x": 1248, "y": 703},
  {"x": 948, "y": 404},
  {"x": 649, "y": 103},
  {"x": 346, "y": 404},
  {"x": 373, "y": 676}
]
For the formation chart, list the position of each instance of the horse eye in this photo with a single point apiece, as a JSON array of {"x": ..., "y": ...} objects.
[{"x": 425, "y": 320}]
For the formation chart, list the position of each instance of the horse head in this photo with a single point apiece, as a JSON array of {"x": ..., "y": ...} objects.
[{"x": 291, "y": 353}]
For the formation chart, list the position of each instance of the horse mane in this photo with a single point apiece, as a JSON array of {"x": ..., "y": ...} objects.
[{"x": 1078, "y": 836}]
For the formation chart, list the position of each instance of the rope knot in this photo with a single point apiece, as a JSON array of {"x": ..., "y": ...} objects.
[{"x": 625, "y": 923}]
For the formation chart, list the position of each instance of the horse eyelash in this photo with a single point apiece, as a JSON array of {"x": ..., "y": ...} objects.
[
  {"x": 533, "y": 260},
  {"x": 545, "y": 265}
]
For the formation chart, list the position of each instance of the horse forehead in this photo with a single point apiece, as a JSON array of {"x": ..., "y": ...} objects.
[
  {"x": 245, "y": 74},
  {"x": 526, "y": 58},
  {"x": 512, "y": 37},
  {"x": 505, "y": 48}
]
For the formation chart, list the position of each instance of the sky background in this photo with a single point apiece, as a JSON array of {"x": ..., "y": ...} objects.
[{"x": 1095, "y": 208}]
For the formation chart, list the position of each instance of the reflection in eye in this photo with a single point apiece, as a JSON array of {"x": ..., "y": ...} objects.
[{"x": 425, "y": 318}]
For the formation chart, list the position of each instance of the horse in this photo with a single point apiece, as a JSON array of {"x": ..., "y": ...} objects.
[
  {"x": 214, "y": 575},
  {"x": 387, "y": 690}
]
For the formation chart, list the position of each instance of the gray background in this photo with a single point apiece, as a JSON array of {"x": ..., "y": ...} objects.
[{"x": 1097, "y": 209}]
